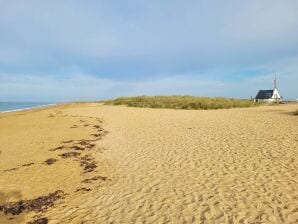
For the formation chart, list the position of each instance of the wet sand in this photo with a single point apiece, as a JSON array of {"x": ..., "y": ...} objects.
[{"x": 114, "y": 164}]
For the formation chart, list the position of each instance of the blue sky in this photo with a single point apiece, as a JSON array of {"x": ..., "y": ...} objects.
[{"x": 87, "y": 50}]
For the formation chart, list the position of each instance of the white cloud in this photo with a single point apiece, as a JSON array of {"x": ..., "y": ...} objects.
[
  {"x": 53, "y": 88},
  {"x": 80, "y": 86}
]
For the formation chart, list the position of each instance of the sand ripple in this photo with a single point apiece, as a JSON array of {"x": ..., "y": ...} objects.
[
  {"x": 178, "y": 166},
  {"x": 226, "y": 166}
]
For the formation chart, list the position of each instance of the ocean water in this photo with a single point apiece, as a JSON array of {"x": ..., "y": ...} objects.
[{"x": 14, "y": 106}]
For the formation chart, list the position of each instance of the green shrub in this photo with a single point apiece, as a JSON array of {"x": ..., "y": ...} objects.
[{"x": 182, "y": 102}]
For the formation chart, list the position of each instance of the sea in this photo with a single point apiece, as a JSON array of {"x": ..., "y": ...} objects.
[{"x": 17, "y": 106}]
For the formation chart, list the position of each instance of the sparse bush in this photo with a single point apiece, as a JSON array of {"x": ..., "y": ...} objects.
[
  {"x": 296, "y": 113},
  {"x": 182, "y": 102}
]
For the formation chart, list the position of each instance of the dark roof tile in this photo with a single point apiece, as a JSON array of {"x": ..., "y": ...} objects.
[{"x": 265, "y": 94}]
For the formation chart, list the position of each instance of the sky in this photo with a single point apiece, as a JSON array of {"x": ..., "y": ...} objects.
[{"x": 55, "y": 50}]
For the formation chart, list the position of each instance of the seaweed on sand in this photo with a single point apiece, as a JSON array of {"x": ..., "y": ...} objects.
[{"x": 38, "y": 204}]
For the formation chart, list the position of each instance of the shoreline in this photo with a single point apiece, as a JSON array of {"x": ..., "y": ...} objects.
[{"x": 30, "y": 108}]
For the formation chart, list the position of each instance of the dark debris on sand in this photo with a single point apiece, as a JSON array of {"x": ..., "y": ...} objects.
[
  {"x": 50, "y": 161},
  {"x": 12, "y": 169},
  {"x": 86, "y": 143},
  {"x": 75, "y": 147},
  {"x": 83, "y": 189},
  {"x": 39, "y": 221},
  {"x": 38, "y": 204},
  {"x": 58, "y": 148},
  {"x": 97, "y": 126},
  {"x": 20, "y": 166},
  {"x": 69, "y": 154},
  {"x": 69, "y": 141},
  {"x": 28, "y": 164},
  {"x": 94, "y": 178},
  {"x": 96, "y": 135},
  {"x": 88, "y": 163}
]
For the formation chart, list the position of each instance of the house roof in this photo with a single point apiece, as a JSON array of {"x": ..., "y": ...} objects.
[{"x": 265, "y": 94}]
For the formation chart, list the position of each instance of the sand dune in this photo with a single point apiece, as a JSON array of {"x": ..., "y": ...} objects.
[{"x": 154, "y": 165}]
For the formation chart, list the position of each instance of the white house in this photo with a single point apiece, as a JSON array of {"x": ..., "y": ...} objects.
[{"x": 270, "y": 95}]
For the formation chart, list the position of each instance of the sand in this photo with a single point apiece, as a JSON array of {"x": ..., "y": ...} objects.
[{"x": 152, "y": 165}]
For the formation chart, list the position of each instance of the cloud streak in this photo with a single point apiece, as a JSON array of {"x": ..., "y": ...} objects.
[{"x": 78, "y": 86}]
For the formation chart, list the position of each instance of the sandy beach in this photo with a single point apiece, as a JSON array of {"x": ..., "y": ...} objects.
[{"x": 91, "y": 163}]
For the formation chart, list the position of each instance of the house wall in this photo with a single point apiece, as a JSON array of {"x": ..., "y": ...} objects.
[
  {"x": 272, "y": 100},
  {"x": 276, "y": 94}
]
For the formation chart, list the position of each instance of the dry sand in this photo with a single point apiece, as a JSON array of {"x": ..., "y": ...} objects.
[{"x": 154, "y": 165}]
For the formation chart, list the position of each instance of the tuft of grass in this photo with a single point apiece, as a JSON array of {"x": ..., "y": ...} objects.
[
  {"x": 296, "y": 113},
  {"x": 182, "y": 102}
]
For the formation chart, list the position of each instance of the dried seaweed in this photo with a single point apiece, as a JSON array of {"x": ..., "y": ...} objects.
[
  {"x": 89, "y": 180},
  {"x": 38, "y": 204},
  {"x": 69, "y": 154},
  {"x": 88, "y": 163},
  {"x": 83, "y": 189},
  {"x": 39, "y": 221},
  {"x": 50, "y": 161},
  {"x": 69, "y": 141},
  {"x": 28, "y": 164},
  {"x": 12, "y": 169},
  {"x": 58, "y": 148}
]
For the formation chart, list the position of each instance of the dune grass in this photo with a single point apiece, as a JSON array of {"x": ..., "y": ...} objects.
[
  {"x": 296, "y": 113},
  {"x": 181, "y": 102}
]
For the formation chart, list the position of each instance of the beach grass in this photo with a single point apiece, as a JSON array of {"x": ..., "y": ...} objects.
[
  {"x": 182, "y": 102},
  {"x": 296, "y": 113}
]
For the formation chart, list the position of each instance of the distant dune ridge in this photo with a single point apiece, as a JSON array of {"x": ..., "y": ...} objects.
[
  {"x": 96, "y": 163},
  {"x": 182, "y": 102}
]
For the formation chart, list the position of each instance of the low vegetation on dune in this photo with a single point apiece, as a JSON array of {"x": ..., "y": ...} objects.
[
  {"x": 296, "y": 112},
  {"x": 181, "y": 102}
]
